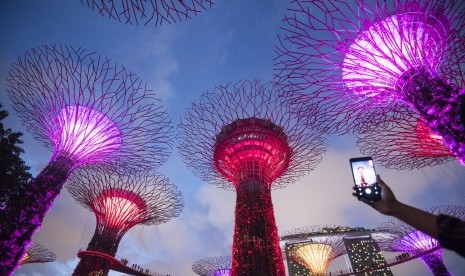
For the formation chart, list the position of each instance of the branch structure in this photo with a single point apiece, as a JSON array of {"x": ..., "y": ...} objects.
[
  {"x": 404, "y": 144},
  {"x": 243, "y": 136},
  {"x": 360, "y": 61},
  {"x": 408, "y": 239},
  {"x": 213, "y": 266},
  {"x": 149, "y": 12},
  {"x": 37, "y": 253},
  {"x": 315, "y": 247},
  {"x": 88, "y": 110},
  {"x": 120, "y": 200}
]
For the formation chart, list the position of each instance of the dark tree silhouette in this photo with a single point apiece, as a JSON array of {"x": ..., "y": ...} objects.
[{"x": 14, "y": 174}]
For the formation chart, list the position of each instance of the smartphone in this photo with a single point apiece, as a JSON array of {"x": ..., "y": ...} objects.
[{"x": 363, "y": 171}]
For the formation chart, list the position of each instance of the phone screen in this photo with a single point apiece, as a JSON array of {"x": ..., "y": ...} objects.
[{"x": 363, "y": 171}]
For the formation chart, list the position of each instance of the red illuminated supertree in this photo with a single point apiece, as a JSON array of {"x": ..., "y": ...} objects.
[
  {"x": 120, "y": 199},
  {"x": 360, "y": 59},
  {"x": 87, "y": 109},
  {"x": 149, "y": 12},
  {"x": 213, "y": 266},
  {"x": 404, "y": 144},
  {"x": 37, "y": 253},
  {"x": 242, "y": 136},
  {"x": 409, "y": 240}
]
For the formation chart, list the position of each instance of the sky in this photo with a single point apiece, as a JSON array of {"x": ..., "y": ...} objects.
[{"x": 232, "y": 41}]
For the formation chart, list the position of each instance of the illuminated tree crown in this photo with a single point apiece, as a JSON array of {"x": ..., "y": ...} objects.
[
  {"x": 37, "y": 253},
  {"x": 416, "y": 243},
  {"x": 121, "y": 199},
  {"x": 364, "y": 63},
  {"x": 88, "y": 108},
  {"x": 246, "y": 124}
]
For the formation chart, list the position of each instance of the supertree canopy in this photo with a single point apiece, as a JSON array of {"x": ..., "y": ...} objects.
[
  {"x": 37, "y": 253},
  {"x": 149, "y": 12},
  {"x": 243, "y": 136},
  {"x": 360, "y": 59},
  {"x": 213, "y": 266},
  {"x": 404, "y": 144},
  {"x": 120, "y": 200},
  {"x": 315, "y": 247},
  {"x": 416, "y": 243},
  {"x": 88, "y": 110}
]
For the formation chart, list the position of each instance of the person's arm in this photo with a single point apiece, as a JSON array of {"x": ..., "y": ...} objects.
[{"x": 389, "y": 205}]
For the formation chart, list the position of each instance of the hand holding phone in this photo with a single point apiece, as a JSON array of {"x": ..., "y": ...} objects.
[{"x": 364, "y": 174}]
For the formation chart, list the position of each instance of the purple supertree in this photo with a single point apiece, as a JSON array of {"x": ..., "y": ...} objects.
[
  {"x": 37, "y": 253},
  {"x": 359, "y": 60},
  {"x": 404, "y": 144},
  {"x": 416, "y": 243},
  {"x": 120, "y": 199},
  {"x": 88, "y": 110},
  {"x": 242, "y": 136},
  {"x": 213, "y": 266},
  {"x": 149, "y": 12}
]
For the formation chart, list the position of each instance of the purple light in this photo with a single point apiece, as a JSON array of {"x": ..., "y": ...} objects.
[
  {"x": 368, "y": 63},
  {"x": 376, "y": 60},
  {"x": 85, "y": 135},
  {"x": 222, "y": 272},
  {"x": 417, "y": 242}
]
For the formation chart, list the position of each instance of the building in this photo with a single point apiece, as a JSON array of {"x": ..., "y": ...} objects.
[{"x": 364, "y": 253}]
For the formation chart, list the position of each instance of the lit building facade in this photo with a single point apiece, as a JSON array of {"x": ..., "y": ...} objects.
[
  {"x": 294, "y": 267},
  {"x": 364, "y": 254}
]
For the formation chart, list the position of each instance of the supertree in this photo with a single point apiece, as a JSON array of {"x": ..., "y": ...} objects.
[
  {"x": 415, "y": 242},
  {"x": 37, "y": 253},
  {"x": 242, "y": 136},
  {"x": 149, "y": 12},
  {"x": 213, "y": 266},
  {"x": 360, "y": 59},
  {"x": 315, "y": 247},
  {"x": 120, "y": 199},
  {"x": 88, "y": 110},
  {"x": 404, "y": 144}
]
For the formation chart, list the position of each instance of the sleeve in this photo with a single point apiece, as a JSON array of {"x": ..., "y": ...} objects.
[{"x": 451, "y": 233}]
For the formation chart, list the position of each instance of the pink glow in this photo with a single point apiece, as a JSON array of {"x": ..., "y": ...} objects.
[
  {"x": 424, "y": 133},
  {"x": 119, "y": 208},
  {"x": 252, "y": 150},
  {"x": 85, "y": 134},
  {"x": 381, "y": 55}
]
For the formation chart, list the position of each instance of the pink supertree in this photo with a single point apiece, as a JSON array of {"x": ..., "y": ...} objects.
[
  {"x": 404, "y": 144},
  {"x": 213, "y": 266},
  {"x": 416, "y": 243},
  {"x": 242, "y": 136},
  {"x": 37, "y": 253},
  {"x": 360, "y": 61},
  {"x": 149, "y": 12},
  {"x": 120, "y": 200},
  {"x": 88, "y": 110}
]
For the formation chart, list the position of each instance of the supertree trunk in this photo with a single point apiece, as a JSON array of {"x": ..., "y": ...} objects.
[
  {"x": 435, "y": 265},
  {"x": 26, "y": 211},
  {"x": 102, "y": 242},
  {"x": 255, "y": 227},
  {"x": 438, "y": 102}
]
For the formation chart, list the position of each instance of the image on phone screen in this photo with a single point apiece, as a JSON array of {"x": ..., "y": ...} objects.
[{"x": 363, "y": 171}]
